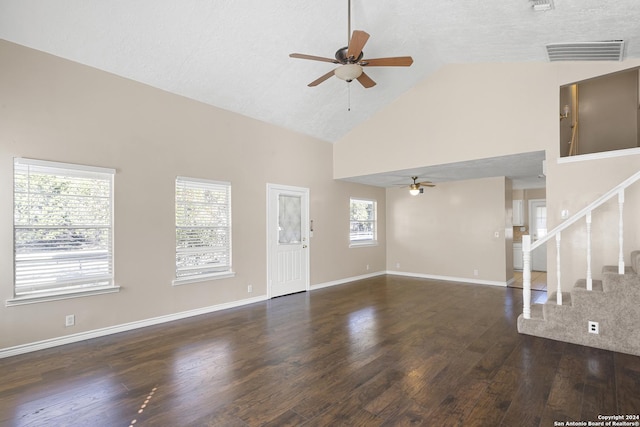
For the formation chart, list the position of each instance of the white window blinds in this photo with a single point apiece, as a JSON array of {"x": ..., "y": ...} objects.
[
  {"x": 203, "y": 228},
  {"x": 63, "y": 217}
]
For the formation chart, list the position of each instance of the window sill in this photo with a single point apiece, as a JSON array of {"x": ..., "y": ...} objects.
[
  {"x": 363, "y": 244},
  {"x": 34, "y": 299},
  {"x": 203, "y": 278}
]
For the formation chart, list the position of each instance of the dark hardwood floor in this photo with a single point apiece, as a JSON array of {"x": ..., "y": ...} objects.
[{"x": 379, "y": 352}]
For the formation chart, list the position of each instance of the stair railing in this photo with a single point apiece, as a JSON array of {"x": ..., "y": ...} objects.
[{"x": 528, "y": 247}]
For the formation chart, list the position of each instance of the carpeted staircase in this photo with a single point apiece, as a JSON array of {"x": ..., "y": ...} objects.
[{"x": 614, "y": 303}]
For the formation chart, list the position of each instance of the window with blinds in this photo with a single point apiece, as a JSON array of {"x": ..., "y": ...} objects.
[
  {"x": 203, "y": 228},
  {"x": 63, "y": 236},
  {"x": 362, "y": 221}
]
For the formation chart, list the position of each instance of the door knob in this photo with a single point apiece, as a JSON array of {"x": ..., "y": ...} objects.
[{"x": 304, "y": 246}]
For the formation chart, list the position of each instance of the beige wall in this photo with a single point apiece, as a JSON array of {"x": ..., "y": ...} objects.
[
  {"x": 472, "y": 111},
  {"x": 450, "y": 230},
  {"x": 461, "y": 112},
  {"x": 575, "y": 185},
  {"x": 53, "y": 109},
  {"x": 608, "y": 113}
]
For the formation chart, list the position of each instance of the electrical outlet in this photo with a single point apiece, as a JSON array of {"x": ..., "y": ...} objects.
[
  {"x": 594, "y": 327},
  {"x": 250, "y": 288},
  {"x": 367, "y": 267},
  {"x": 475, "y": 272},
  {"x": 397, "y": 265},
  {"x": 70, "y": 320}
]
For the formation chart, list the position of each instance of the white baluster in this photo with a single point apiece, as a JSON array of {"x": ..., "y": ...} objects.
[
  {"x": 620, "y": 230},
  {"x": 526, "y": 277},
  {"x": 589, "y": 278},
  {"x": 559, "y": 287}
]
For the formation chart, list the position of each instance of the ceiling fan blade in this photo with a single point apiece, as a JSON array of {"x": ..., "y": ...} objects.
[
  {"x": 320, "y": 79},
  {"x": 397, "y": 61},
  {"x": 358, "y": 40},
  {"x": 366, "y": 81},
  {"x": 426, "y": 184},
  {"x": 313, "y": 58}
]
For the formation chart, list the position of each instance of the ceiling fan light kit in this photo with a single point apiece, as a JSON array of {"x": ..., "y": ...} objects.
[
  {"x": 414, "y": 190},
  {"x": 417, "y": 187},
  {"x": 348, "y": 72},
  {"x": 351, "y": 59}
]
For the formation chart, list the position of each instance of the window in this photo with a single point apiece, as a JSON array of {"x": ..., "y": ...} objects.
[
  {"x": 63, "y": 236},
  {"x": 203, "y": 230},
  {"x": 363, "y": 228}
]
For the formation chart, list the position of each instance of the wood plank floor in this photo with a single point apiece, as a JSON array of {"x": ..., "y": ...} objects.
[
  {"x": 379, "y": 352},
  {"x": 538, "y": 280}
]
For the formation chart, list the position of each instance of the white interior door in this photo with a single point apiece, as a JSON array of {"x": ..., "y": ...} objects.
[
  {"x": 287, "y": 239},
  {"x": 537, "y": 230}
]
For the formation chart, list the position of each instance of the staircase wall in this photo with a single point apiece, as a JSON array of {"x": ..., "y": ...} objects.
[{"x": 572, "y": 186}]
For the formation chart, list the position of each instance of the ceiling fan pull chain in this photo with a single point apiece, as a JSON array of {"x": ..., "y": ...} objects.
[{"x": 349, "y": 96}]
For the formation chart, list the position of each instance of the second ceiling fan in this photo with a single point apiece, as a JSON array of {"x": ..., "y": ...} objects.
[{"x": 351, "y": 59}]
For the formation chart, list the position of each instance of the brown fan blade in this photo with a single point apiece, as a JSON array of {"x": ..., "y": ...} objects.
[
  {"x": 358, "y": 40},
  {"x": 313, "y": 58},
  {"x": 398, "y": 61},
  {"x": 426, "y": 184},
  {"x": 319, "y": 80},
  {"x": 366, "y": 81}
]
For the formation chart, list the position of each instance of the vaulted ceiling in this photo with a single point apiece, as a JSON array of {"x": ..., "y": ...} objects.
[{"x": 234, "y": 54}]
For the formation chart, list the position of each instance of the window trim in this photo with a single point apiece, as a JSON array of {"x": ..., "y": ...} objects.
[
  {"x": 367, "y": 242},
  {"x": 217, "y": 275},
  {"x": 53, "y": 295}
]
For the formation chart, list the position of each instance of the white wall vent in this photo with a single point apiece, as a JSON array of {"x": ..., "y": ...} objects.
[{"x": 612, "y": 50}]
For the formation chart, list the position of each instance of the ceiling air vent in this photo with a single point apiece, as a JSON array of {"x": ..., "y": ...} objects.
[
  {"x": 612, "y": 50},
  {"x": 542, "y": 5}
]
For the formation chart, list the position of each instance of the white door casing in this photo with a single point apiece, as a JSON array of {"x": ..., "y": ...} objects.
[
  {"x": 287, "y": 240},
  {"x": 537, "y": 230}
]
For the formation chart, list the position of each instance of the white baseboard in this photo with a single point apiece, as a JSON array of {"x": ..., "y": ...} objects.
[
  {"x": 347, "y": 280},
  {"x": 448, "y": 278},
  {"x": 68, "y": 339}
]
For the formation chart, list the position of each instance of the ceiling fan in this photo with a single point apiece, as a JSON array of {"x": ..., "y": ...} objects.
[
  {"x": 416, "y": 187},
  {"x": 351, "y": 59}
]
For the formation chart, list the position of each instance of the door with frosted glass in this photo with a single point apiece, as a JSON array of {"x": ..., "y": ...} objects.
[
  {"x": 288, "y": 240},
  {"x": 537, "y": 230}
]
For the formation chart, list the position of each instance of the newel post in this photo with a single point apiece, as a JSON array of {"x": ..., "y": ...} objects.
[{"x": 526, "y": 276}]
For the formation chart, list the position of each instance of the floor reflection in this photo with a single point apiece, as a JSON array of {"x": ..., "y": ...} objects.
[{"x": 363, "y": 329}]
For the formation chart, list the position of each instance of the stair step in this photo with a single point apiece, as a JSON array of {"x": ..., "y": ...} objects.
[
  {"x": 596, "y": 285},
  {"x": 613, "y": 269},
  {"x": 553, "y": 298},
  {"x": 536, "y": 312}
]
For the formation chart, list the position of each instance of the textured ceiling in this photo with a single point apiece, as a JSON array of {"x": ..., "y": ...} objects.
[
  {"x": 234, "y": 54},
  {"x": 526, "y": 170}
]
